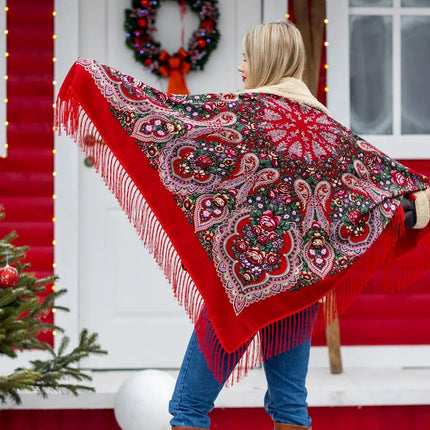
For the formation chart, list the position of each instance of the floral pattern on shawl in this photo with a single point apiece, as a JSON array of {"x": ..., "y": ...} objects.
[{"x": 280, "y": 195}]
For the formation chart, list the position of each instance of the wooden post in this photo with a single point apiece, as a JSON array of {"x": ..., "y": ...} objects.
[{"x": 333, "y": 343}]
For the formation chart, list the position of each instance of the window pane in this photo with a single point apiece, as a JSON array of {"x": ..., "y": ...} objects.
[
  {"x": 415, "y": 74},
  {"x": 371, "y": 74},
  {"x": 375, "y": 3},
  {"x": 415, "y": 3}
]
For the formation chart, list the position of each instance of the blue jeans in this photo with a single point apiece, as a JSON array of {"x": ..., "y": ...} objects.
[{"x": 285, "y": 400}]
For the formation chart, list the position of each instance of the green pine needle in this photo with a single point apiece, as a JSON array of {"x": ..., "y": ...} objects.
[{"x": 21, "y": 309}]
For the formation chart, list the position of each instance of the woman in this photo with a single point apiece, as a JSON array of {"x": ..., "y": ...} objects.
[
  {"x": 274, "y": 62},
  {"x": 276, "y": 207}
]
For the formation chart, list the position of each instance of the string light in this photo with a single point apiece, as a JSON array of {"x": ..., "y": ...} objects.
[
  {"x": 54, "y": 173},
  {"x": 326, "y": 45},
  {"x": 5, "y": 78}
]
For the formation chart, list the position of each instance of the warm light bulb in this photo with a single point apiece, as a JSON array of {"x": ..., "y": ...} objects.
[
  {"x": 54, "y": 242},
  {"x": 326, "y": 89},
  {"x": 54, "y": 219},
  {"x": 54, "y": 151},
  {"x": 326, "y": 43},
  {"x": 326, "y": 21},
  {"x": 54, "y": 196}
]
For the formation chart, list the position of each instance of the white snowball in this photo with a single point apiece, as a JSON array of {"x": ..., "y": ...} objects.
[{"x": 142, "y": 401}]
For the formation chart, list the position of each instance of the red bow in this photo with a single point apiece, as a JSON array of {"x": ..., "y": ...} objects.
[{"x": 175, "y": 67}]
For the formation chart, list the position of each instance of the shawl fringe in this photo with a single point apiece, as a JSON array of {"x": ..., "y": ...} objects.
[{"x": 71, "y": 116}]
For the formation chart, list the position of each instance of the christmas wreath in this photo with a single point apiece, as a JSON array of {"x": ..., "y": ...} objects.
[{"x": 140, "y": 27}]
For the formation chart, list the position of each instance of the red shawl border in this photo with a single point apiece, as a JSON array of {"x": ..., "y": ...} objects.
[{"x": 154, "y": 214}]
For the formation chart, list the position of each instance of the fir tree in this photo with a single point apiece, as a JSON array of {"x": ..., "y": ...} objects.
[{"x": 21, "y": 309}]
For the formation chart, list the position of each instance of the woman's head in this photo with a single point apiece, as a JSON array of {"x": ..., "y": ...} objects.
[{"x": 272, "y": 51}]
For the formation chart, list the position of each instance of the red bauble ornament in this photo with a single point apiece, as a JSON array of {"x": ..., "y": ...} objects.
[
  {"x": 142, "y": 22},
  {"x": 201, "y": 43},
  {"x": 9, "y": 277},
  {"x": 144, "y": 3}
]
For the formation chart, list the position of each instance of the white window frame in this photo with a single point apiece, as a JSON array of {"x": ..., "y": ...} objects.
[{"x": 406, "y": 146}]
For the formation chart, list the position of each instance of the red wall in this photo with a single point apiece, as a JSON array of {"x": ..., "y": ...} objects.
[
  {"x": 26, "y": 180},
  {"x": 335, "y": 418}
]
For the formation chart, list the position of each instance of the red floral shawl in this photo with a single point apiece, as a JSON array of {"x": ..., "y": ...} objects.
[{"x": 255, "y": 206}]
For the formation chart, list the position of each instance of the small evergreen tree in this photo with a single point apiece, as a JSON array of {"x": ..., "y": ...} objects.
[{"x": 21, "y": 309}]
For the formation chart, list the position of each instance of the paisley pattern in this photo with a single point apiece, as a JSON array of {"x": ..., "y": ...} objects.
[{"x": 279, "y": 194}]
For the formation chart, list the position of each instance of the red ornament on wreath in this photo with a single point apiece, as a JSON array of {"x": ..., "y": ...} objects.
[
  {"x": 9, "y": 277},
  {"x": 140, "y": 26}
]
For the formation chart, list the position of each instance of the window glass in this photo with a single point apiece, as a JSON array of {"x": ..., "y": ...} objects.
[
  {"x": 371, "y": 74},
  {"x": 415, "y": 3},
  {"x": 415, "y": 56},
  {"x": 375, "y": 3}
]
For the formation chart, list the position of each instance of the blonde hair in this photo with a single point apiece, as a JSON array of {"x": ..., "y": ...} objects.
[{"x": 273, "y": 51}]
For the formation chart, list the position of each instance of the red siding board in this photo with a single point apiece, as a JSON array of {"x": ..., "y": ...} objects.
[
  {"x": 26, "y": 108},
  {"x": 28, "y": 159},
  {"x": 18, "y": 209}
]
